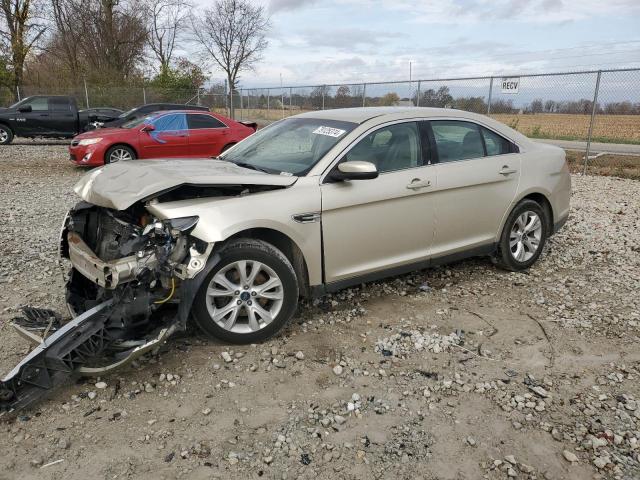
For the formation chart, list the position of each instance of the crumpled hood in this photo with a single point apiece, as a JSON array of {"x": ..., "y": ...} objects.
[{"x": 120, "y": 185}]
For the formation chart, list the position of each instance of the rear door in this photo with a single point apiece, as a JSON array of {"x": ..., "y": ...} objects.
[
  {"x": 63, "y": 116},
  {"x": 168, "y": 139},
  {"x": 207, "y": 135},
  {"x": 478, "y": 172}
]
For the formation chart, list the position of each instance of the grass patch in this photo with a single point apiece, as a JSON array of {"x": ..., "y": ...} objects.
[{"x": 624, "y": 166}]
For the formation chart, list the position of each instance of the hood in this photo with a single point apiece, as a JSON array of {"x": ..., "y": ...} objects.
[
  {"x": 120, "y": 185},
  {"x": 101, "y": 132}
]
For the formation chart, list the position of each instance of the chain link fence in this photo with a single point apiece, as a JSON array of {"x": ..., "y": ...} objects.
[{"x": 582, "y": 108}]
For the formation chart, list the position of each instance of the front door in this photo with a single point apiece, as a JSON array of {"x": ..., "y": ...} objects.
[
  {"x": 478, "y": 173},
  {"x": 36, "y": 121},
  {"x": 170, "y": 137},
  {"x": 374, "y": 225}
]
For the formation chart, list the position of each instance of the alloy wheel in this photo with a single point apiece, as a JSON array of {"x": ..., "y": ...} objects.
[
  {"x": 525, "y": 236},
  {"x": 244, "y": 296},
  {"x": 4, "y": 135},
  {"x": 120, "y": 155}
]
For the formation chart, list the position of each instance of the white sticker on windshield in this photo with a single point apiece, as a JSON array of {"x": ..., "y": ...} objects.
[{"x": 330, "y": 132}]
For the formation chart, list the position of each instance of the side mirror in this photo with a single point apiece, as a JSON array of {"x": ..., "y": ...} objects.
[
  {"x": 355, "y": 170},
  {"x": 148, "y": 128},
  {"x": 25, "y": 109}
]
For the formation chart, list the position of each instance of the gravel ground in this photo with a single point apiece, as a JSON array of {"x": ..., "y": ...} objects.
[{"x": 460, "y": 372}]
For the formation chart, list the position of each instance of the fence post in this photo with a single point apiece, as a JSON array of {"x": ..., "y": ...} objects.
[
  {"x": 290, "y": 100},
  {"x": 268, "y": 105},
  {"x": 144, "y": 96},
  {"x": 86, "y": 92},
  {"x": 198, "y": 97},
  {"x": 418, "y": 95},
  {"x": 241, "y": 103},
  {"x": 490, "y": 94},
  {"x": 364, "y": 93},
  {"x": 323, "y": 93},
  {"x": 593, "y": 116}
]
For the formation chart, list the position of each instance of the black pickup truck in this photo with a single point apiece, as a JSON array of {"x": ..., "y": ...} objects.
[{"x": 49, "y": 116}]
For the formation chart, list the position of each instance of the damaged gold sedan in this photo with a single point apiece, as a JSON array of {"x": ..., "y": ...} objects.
[{"x": 311, "y": 204}]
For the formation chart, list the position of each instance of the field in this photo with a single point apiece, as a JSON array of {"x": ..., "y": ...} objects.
[{"x": 558, "y": 126}]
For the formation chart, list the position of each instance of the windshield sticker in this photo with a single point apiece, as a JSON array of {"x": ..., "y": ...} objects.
[{"x": 328, "y": 131}]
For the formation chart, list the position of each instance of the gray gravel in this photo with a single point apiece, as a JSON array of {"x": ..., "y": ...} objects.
[{"x": 463, "y": 371}]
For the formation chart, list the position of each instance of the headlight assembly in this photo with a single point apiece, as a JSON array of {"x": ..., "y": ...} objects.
[{"x": 89, "y": 141}]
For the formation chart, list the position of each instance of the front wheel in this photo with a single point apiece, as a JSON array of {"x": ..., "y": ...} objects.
[
  {"x": 523, "y": 237},
  {"x": 249, "y": 296},
  {"x": 119, "y": 153},
  {"x": 6, "y": 135}
]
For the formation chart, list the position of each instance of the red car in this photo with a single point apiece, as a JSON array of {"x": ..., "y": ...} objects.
[{"x": 160, "y": 135}]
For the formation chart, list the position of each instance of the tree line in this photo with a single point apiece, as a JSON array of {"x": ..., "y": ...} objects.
[{"x": 163, "y": 43}]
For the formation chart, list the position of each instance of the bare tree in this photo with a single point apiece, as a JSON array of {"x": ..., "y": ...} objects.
[
  {"x": 113, "y": 36},
  {"x": 66, "y": 41},
  {"x": 233, "y": 33},
  {"x": 20, "y": 31},
  {"x": 168, "y": 20}
]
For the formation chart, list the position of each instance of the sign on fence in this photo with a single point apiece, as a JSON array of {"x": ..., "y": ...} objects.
[{"x": 510, "y": 85}]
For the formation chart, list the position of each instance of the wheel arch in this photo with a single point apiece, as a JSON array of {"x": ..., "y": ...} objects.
[
  {"x": 286, "y": 245},
  {"x": 539, "y": 197},
  {"x": 120, "y": 144}
]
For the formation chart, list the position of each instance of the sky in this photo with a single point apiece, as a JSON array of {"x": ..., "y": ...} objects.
[{"x": 338, "y": 41}]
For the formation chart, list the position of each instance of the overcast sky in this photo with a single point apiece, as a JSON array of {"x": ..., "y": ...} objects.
[{"x": 331, "y": 41}]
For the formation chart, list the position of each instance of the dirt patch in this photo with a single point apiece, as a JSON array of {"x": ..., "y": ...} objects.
[{"x": 545, "y": 365}]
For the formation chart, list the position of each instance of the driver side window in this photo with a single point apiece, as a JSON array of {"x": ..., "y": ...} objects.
[
  {"x": 38, "y": 104},
  {"x": 396, "y": 147}
]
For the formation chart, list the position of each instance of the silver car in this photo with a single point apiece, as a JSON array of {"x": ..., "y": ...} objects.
[{"x": 311, "y": 204}]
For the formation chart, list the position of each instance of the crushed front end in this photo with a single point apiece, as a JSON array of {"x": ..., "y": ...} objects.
[{"x": 131, "y": 285}]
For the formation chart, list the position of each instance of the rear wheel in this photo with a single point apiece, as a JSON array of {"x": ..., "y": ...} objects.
[
  {"x": 523, "y": 237},
  {"x": 249, "y": 296},
  {"x": 6, "y": 135},
  {"x": 119, "y": 153}
]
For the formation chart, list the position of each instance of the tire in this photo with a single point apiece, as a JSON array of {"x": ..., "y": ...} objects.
[
  {"x": 6, "y": 135},
  {"x": 222, "y": 316},
  {"x": 522, "y": 242},
  {"x": 119, "y": 153}
]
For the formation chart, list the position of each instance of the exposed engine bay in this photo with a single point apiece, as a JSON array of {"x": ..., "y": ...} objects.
[{"x": 128, "y": 268}]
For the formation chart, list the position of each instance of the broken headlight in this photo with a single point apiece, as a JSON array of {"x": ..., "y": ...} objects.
[{"x": 184, "y": 224}]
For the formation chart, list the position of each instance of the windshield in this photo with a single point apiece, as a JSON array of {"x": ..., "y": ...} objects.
[
  {"x": 292, "y": 146},
  {"x": 135, "y": 122}
]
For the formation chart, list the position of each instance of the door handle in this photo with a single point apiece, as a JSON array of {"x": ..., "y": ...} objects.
[
  {"x": 507, "y": 171},
  {"x": 417, "y": 184}
]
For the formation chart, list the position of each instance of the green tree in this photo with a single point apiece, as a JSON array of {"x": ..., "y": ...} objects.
[{"x": 184, "y": 75}]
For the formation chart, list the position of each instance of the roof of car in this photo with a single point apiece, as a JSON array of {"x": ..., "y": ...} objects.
[{"x": 362, "y": 114}]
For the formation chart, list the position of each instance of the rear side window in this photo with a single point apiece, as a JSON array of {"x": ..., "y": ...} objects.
[
  {"x": 457, "y": 140},
  {"x": 60, "y": 105},
  {"x": 172, "y": 122},
  {"x": 495, "y": 144},
  {"x": 199, "y": 120}
]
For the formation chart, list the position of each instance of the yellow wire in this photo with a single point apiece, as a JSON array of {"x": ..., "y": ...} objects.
[{"x": 173, "y": 289}]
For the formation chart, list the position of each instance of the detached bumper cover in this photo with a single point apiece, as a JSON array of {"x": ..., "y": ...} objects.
[{"x": 106, "y": 274}]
